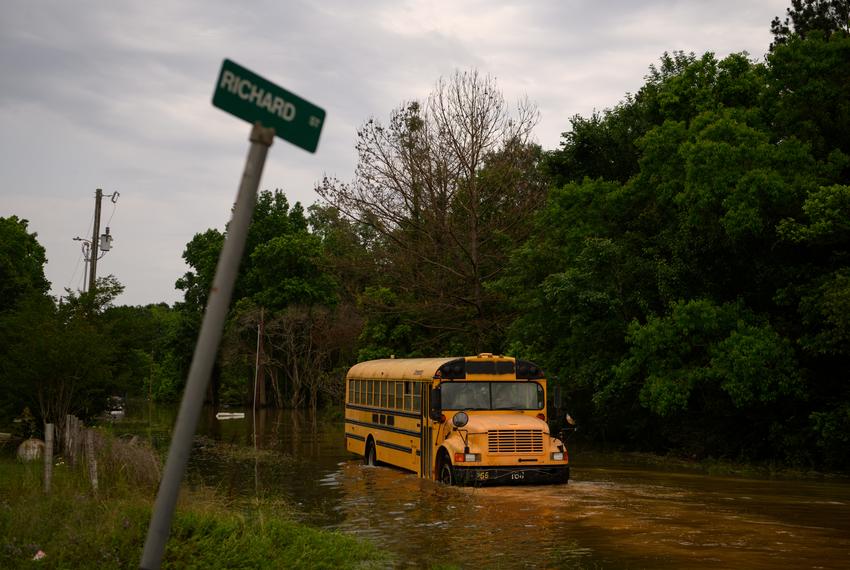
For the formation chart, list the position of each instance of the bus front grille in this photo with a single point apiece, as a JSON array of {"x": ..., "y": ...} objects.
[{"x": 515, "y": 441}]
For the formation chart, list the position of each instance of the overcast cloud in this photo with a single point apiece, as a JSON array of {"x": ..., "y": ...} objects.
[{"x": 116, "y": 95}]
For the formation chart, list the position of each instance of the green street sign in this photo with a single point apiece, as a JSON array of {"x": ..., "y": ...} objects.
[{"x": 245, "y": 94}]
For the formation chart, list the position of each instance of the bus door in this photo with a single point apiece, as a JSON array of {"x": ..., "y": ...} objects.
[{"x": 426, "y": 445}]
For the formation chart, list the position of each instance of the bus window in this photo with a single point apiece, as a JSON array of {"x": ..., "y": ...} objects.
[
  {"x": 399, "y": 399},
  {"x": 408, "y": 396},
  {"x": 417, "y": 396},
  {"x": 466, "y": 395},
  {"x": 517, "y": 396},
  {"x": 492, "y": 396},
  {"x": 383, "y": 402}
]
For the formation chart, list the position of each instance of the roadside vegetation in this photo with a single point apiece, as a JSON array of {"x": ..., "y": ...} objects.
[{"x": 74, "y": 527}]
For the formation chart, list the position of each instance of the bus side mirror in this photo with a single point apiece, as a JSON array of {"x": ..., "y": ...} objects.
[
  {"x": 556, "y": 397},
  {"x": 436, "y": 410}
]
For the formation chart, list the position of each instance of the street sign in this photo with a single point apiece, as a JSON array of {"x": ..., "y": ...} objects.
[{"x": 245, "y": 94}]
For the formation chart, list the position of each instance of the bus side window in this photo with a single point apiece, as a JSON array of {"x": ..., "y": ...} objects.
[
  {"x": 351, "y": 384},
  {"x": 408, "y": 396},
  {"x": 383, "y": 403},
  {"x": 399, "y": 398},
  {"x": 417, "y": 396}
]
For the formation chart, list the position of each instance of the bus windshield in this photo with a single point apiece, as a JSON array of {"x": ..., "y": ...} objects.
[{"x": 492, "y": 396}]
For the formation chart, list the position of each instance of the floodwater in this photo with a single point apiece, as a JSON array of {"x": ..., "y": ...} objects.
[{"x": 610, "y": 515}]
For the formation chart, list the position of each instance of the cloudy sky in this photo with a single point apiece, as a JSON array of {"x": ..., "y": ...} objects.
[{"x": 116, "y": 95}]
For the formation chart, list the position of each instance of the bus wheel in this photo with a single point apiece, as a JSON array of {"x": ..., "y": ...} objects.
[
  {"x": 369, "y": 457},
  {"x": 446, "y": 472}
]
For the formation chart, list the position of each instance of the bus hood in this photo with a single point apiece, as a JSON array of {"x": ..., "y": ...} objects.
[{"x": 485, "y": 422}]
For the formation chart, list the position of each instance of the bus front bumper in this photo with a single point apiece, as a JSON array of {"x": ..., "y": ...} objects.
[{"x": 502, "y": 475}]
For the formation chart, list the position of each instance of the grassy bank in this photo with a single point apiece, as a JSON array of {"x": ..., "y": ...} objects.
[{"x": 76, "y": 528}]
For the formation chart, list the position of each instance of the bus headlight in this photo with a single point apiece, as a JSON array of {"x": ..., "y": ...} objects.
[{"x": 557, "y": 456}]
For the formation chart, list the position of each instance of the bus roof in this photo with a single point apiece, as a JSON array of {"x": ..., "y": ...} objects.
[
  {"x": 451, "y": 367},
  {"x": 399, "y": 368}
]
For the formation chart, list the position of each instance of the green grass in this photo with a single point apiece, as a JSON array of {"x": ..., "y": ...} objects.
[{"x": 77, "y": 529}]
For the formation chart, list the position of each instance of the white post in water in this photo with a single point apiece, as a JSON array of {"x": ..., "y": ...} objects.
[{"x": 206, "y": 349}]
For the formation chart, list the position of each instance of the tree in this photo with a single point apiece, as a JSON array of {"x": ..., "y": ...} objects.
[
  {"x": 448, "y": 185},
  {"x": 807, "y": 16},
  {"x": 348, "y": 250},
  {"x": 146, "y": 349},
  {"x": 272, "y": 218},
  {"x": 287, "y": 272},
  {"x": 58, "y": 359},
  {"x": 22, "y": 261},
  {"x": 201, "y": 254},
  {"x": 708, "y": 289},
  {"x": 809, "y": 98}
]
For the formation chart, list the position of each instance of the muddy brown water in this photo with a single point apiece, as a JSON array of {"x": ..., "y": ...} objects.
[{"x": 610, "y": 515}]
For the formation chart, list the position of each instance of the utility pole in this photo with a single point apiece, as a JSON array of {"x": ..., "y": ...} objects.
[
  {"x": 99, "y": 243},
  {"x": 98, "y": 196}
]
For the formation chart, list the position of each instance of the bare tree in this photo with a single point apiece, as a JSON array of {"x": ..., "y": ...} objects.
[
  {"x": 309, "y": 344},
  {"x": 449, "y": 184}
]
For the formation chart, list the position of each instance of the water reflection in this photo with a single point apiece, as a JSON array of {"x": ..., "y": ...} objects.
[{"x": 609, "y": 515}]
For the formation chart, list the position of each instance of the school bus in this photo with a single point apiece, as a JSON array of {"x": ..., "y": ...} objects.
[{"x": 474, "y": 420}]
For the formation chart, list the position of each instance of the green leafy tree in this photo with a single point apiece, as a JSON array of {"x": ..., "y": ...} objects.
[
  {"x": 22, "y": 261},
  {"x": 144, "y": 340},
  {"x": 809, "y": 98},
  {"x": 285, "y": 265},
  {"x": 805, "y": 17},
  {"x": 58, "y": 359},
  {"x": 201, "y": 255},
  {"x": 287, "y": 270},
  {"x": 699, "y": 283}
]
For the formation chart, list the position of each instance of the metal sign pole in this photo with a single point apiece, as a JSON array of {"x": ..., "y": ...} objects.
[{"x": 206, "y": 349}]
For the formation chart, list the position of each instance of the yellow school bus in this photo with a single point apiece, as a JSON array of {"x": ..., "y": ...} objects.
[{"x": 474, "y": 420}]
